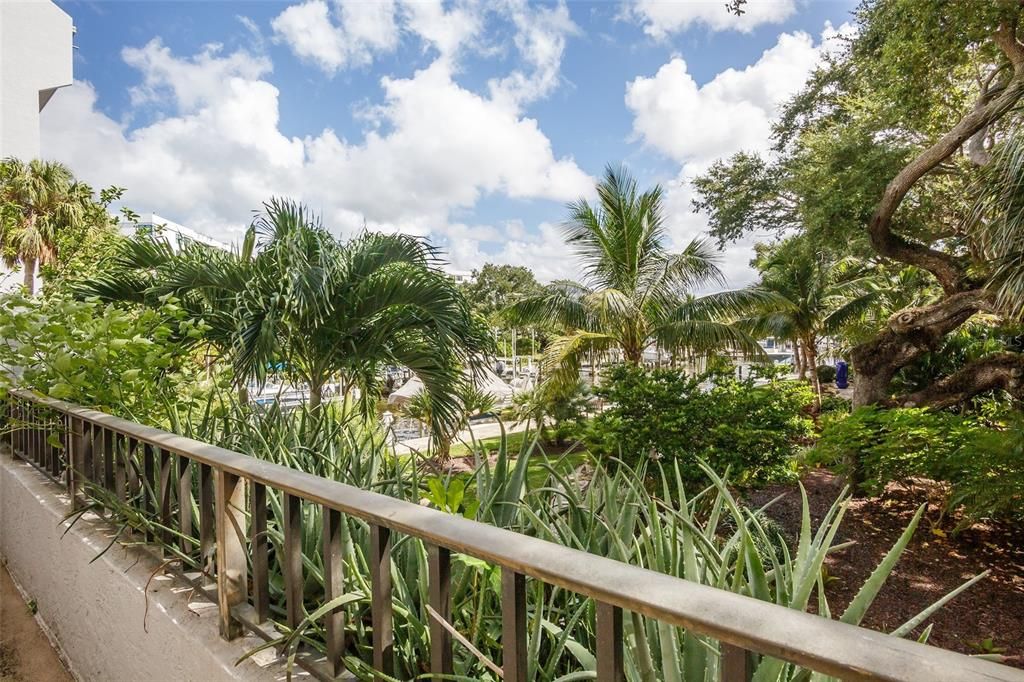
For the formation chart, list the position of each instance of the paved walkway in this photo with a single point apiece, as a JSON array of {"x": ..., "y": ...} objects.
[
  {"x": 25, "y": 652},
  {"x": 479, "y": 431}
]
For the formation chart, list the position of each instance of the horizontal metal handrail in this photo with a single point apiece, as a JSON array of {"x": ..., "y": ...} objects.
[{"x": 815, "y": 642}]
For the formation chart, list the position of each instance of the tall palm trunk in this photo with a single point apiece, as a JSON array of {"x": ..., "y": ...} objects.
[
  {"x": 811, "y": 357},
  {"x": 798, "y": 360},
  {"x": 633, "y": 354},
  {"x": 29, "y": 264}
]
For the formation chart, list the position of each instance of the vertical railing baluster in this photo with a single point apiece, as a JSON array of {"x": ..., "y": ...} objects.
[
  {"x": 22, "y": 443},
  {"x": 12, "y": 423},
  {"x": 73, "y": 445},
  {"x": 259, "y": 542},
  {"x": 40, "y": 438},
  {"x": 19, "y": 422},
  {"x": 513, "y": 625},
  {"x": 54, "y": 436},
  {"x": 734, "y": 664},
  {"x": 30, "y": 424},
  {"x": 25, "y": 434},
  {"x": 232, "y": 565},
  {"x": 22, "y": 432},
  {"x": 88, "y": 453},
  {"x": 117, "y": 453},
  {"x": 609, "y": 643},
  {"x": 26, "y": 420},
  {"x": 62, "y": 458},
  {"x": 85, "y": 455},
  {"x": 439, "y": 592},
  {"x": 46, "y": 451},
  {"x": 57, "y": 430},
  {"x": 185, "y": 504},
  {"x": 42, "y": 446},
  {"x": 132, "y": 461},
  {"x": 44, "y": 440},
  {"x": 108, "y": 459},
  {"x": 207, "y": 537},
  {"x": 34, "y": 431},
  {"x": 292, "y": 559},
  {"x": 150, "y": 487},
  {"x": 97, "y": 455},
  {"x": 334, "y": 587},
  {"x": 380, "y": 600},
  {"x": 165, "y": 487}
]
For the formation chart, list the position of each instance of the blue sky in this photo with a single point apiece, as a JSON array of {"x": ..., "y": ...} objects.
[{"x": 471, "y": 123}]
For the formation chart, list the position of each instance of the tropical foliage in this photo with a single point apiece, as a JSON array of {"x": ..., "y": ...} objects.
[
  {"x": 983, "y": 466},
  {"x": 811, "y": 296},
  {"x": 635, "y": 291},
  {"x": 46, "y": 215},
  {"x": 709, "y": 538},
  {"x": 558, "y": 412},
  {"x": 127, "y": 362},
  {"x": 881, "y": 157},
  {"x": 296, "y": 298},
  {"x": 731, "y": 424}
]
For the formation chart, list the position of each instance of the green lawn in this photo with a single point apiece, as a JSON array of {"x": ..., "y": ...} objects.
[{"x": 562, "y": 459}]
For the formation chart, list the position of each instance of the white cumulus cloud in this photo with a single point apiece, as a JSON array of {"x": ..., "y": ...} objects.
[
  {"x": 695, "y": 124},
  {"x": 434, "y": 147},
  {"x": 661, "y": 17},
  {"x": 338, "y": 35}
]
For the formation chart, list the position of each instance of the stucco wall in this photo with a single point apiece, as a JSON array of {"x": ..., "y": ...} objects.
[
  {"x": 35, "y": 58},
  {"x": 95, "y": 610}
]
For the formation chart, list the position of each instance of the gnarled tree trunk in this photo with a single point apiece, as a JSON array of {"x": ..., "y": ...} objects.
[{"x": 912, "y": 332}]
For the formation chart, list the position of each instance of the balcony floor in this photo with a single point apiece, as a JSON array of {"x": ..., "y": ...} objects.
[{"x": 25, "y": 652}]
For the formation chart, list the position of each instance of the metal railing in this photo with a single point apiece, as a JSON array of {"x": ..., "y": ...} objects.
[{"x": 74, "y": 445}]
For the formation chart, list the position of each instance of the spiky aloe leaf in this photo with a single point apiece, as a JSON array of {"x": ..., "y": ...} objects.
[{"x": 869, "y": 590}]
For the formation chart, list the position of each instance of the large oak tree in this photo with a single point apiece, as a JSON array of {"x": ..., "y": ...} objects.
[{"x": 887, "y": 154}]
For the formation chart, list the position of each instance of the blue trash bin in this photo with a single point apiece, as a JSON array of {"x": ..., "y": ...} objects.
[{"x": 842, "y": 374}]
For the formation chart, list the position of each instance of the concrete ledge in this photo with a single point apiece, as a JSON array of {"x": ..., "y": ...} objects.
[{"x": 96, "y": 611}]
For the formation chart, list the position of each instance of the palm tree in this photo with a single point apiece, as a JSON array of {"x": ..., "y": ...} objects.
[
  {"x": 894, "y": 290},
  {"x": 295, "y": 296},
  {"x": 808, "y": 296},
  {"x": 998, "y": 217},
  {"x": 634, "y": 291},
  {"x": 38, "y": 199}
]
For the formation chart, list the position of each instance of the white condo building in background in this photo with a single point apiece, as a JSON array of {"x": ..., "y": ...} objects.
[
  {"x": 170, "y": 230},
  {"x": 35, "y": 60}
]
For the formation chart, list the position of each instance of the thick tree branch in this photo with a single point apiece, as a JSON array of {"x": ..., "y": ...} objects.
[
  {"x": 1001, "y": 371},
  {"x": 909, "y": 334},
  {"x": 990, "y": 107}
]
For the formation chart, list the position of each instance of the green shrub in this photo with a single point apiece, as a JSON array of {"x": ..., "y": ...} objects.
[
  {"x": 121, "y": 361},
  {"x": 560, "y": 412},
  {"x": 732, "y": 424},
  {"x": 983, "y": 465},
  {"x": 835, "y": 403},
  {"x": 826, "y": 374}
]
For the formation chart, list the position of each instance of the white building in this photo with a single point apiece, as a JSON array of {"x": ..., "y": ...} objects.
[
  {"x": 462, "y": 276},
  {"x": 170, "y": 230},
  {"x": 35, "y": 60}
]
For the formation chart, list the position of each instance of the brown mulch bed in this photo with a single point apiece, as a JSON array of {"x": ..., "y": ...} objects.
[{"x": 931, "y": 566}]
